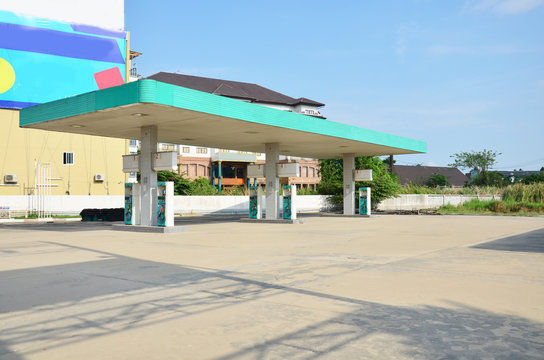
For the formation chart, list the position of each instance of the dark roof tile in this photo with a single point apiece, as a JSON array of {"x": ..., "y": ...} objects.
[
  {"x": 420, "y": 174},
  {"x": 234, "y": 89}
]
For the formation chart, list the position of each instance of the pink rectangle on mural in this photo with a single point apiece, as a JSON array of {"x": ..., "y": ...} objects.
[{"x": 108, "y": 78}]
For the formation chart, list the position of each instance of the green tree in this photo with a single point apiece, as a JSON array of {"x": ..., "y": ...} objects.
[
  {"x": 384, "y": 185},
  {"x": 493, "y": 178},
  {"x": 437, "y": 180},
  {"x": 480, "y": 161},
  {"x": 534, "y": 178},
  {"x": 387, "y": 161}
]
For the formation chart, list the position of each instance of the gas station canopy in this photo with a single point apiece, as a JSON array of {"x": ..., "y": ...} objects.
[{"x": 191, "y": 117}]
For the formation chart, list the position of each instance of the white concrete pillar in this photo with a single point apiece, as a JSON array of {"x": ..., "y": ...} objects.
[
  {"x": 272, "y": 151},
  {"x": 349, "y": 184},
  {"x": 148, "y": 177}
]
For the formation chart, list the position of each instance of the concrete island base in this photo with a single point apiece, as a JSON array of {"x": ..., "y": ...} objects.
[
  {"x": 273, "y": 221},
  {"x": 150, "y": 229},
  {"x": 347, "y": 216}
]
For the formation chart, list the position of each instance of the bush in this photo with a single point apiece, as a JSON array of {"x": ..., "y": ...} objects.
[
  {"x": 532, "y": 193},
  {"x": 202, "y": 186},
  {"x": 183, "y": 186},
  {"x": 235, "y": 190},
  {"x": 437, "y": 180},
  {"x": 307, "y": 191},
  {"x": 476, "y": 206}
]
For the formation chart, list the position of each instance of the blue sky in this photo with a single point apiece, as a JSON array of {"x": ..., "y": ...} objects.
[{"x": 460, "y": 75}]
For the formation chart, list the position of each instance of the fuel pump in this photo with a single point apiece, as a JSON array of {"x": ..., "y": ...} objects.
[
  {"x": 132, "y": 203},
  {"x": 364, "y": 201},
  {"x": 289, "y": 196},
  {"x": 128, "y": 204},
  {"x": 255, "y": 202},
  {"x": 165, "y": 203}
]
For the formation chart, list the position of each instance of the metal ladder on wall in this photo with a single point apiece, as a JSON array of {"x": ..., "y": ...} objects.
[{"x": 41, "y": 199}]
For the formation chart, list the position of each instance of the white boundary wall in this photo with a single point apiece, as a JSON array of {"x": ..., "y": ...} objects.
[
  {"x": 73, "y": 204},
  {"x": 428, "y": 201}
]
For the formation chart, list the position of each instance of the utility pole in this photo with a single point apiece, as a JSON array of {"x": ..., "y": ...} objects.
[{"x": 391, "y": 161}]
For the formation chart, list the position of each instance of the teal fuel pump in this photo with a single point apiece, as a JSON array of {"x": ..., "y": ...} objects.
[
  {"x": 364, "y": 201},
  {"x": 128, "y": 204},
  {"x": 165, "y": 203},
  {"x": 132, "y": 203},
  {"x": 289, "y": 206},
  {"x": 255, "y": 202}
]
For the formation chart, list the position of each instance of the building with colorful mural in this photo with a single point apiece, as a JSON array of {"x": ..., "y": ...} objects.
[{"x": 51, "y": 57}]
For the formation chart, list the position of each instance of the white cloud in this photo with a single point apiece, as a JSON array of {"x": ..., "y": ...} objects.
[
  {"x": 503, "y": 7},
  {"x": 511, "y": 7},
  {"x": 403, "y": 33},
  {"x": 480, "y": 5},
  {"x": 438, "y": 50}
]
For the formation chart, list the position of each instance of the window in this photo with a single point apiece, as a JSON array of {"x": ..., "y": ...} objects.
[
  {"x": 168, "y": 147},
  {"x": 201, "y": 150},
  {"x": 68, "y": 158},
  {"x": 186, "y": 149},
  {"x": 228, "y": 172},
  {"x": 133, "y": 142}
]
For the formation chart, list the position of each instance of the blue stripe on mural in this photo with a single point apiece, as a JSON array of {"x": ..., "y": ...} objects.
[
  {"x": 15, "y": 104},
  {"x": 31, "y": 39},
  {"x": 98, "y": 31}
]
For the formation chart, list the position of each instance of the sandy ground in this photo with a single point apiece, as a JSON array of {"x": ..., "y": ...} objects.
[{"x": 387, "y": 287}]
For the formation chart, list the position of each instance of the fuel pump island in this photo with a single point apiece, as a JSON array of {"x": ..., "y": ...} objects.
[
  {"x": 288, "y": 212},
  {"x": 162, "y": 195}
]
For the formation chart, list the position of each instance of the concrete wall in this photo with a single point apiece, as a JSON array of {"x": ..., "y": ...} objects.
[
  {"x": 428, "y": 201},
  {"x": 73, "y": 204},
  {"x": 239, "y": 204}
]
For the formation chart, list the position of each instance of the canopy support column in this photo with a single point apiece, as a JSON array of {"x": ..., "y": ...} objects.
[
  {"x": 272, "y": 151},
  {"x": 349, "y": 184},
  {"x": 148, "y": 179}
]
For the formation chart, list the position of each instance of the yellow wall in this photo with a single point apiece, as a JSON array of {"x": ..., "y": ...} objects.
[{"x": 92, "y": 155}]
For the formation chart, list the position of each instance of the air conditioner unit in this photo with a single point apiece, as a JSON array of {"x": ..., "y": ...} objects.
[
  {"x": 10, "y": 179},
  {"x": 99, "y": 177}
]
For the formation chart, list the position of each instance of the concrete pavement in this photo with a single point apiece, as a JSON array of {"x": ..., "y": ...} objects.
[{"x": 390, "y": 287}]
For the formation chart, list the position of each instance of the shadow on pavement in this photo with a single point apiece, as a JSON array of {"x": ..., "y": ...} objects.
[
  {"x": 53, "y": 306},
  {"x": 532, "y": 242},
  {"x": 7, "y": 354}
]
